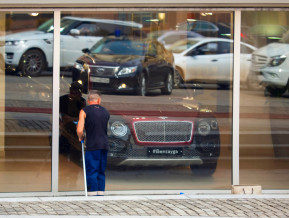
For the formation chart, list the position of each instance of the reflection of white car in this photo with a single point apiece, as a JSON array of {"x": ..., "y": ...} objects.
[
  {"x": 209, "y": 60},
  {"x": 31, "y": 51},
  {"x": 271, "y": 62}
]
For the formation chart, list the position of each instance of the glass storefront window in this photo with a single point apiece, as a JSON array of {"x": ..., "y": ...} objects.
[
  {"x": 264, "y": 101},
  {"x": 26, "y": 102},
  {"x": 166, "y": 80}
]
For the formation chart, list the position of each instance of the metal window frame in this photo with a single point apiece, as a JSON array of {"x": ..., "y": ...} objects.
[
  {"x": 55, "y": 109},
  {"x": 236, "y": 99}
]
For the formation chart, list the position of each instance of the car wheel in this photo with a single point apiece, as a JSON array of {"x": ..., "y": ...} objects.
[
  {"x": 178, "y": 80},
  {"x": 32, "y": 63},
  {"x": 142, "y": 85},
  {"x": 274, "y": 91},
  {"x": 167, "y": 90},
  {"x": 206, "y": 169}
]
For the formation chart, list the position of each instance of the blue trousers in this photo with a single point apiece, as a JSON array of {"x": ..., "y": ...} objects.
[{"x": 95, "y": 162}]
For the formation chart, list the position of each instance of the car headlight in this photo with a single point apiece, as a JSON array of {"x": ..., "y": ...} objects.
[
  {"x": 204, "y": 128},
  {"x": 127, "y": 70},
  {"x": 118, "y": 128},
  {"x": 78, "y": 66},
  {"x": 15, "y": 43},
  {"x": 277, "y": 60}
]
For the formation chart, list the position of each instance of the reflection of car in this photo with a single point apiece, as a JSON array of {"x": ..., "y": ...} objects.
[
  {"x": 167, "y": 38},
  {"x": 209, "y": 60},
  {"x": 122, "y": 64},
  {"x": 272, "y": 63},
  {"x": 31, "y": 51},
  {"x": 206, "y": 28},
  {"x": 2, "y": 52},
  {"x": 168, "y": 136},
  {"x": 263, "y": 34}
]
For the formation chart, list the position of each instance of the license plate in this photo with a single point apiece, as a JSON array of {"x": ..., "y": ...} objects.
[
  {"x": 165, "y": 152},
  {"x": 99, "y": 80}
]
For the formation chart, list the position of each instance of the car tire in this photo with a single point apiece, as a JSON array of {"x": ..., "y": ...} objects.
[
  {"x": 206, "y": 169},
  {"x": 224, "y": 85},
  {"x": 142, "y": 90},
  {"x": 32, "y": 62},
  {"x": 167, "y": 90},
  {"x": 274, "y": 91}
]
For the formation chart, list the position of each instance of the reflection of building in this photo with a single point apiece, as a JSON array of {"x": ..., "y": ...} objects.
[{"x": 29, "y": 116}]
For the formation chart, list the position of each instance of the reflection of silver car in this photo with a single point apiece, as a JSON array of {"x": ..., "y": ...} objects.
[
  {"x": 209, "y": 60},
  {"x": 206, "y": 28},
  {"x": 263, "y": 34},
  {"x": 31, "y": 51},
  {"x": 167, "y": 38}
]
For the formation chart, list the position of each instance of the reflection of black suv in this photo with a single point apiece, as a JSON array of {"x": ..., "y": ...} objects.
[{"x": 122, "y": 64}]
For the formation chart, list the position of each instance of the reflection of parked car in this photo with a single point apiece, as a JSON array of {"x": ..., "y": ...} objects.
[
  {"x": 31, "y": 51},
  {"x": 272, "y": 63},
  {"x": 263, "y": 34},
  {"x": 122, "y": 64},
  {"x": 2, "y": 53},
  {"x": 171, "y": 135},
  {"x": 206, "y": 28},
  {"x": 168, "y": 38},
  {"x": 209, "y": 60}
]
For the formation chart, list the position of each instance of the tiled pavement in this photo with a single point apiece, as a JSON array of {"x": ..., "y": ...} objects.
[{"x": 153, "y": 205}]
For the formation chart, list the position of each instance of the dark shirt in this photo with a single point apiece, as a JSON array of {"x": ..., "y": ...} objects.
[{"x": 96, "y": 122}]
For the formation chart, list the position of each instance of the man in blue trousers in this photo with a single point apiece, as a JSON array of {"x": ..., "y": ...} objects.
[{"x": 94, "y": 120}]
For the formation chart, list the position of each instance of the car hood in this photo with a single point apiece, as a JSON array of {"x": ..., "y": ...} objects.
[
  {"x": 111, "y": 60},
  {"x": 28, "y": 35},
  {"x": 174, "y": 108},
  {"x": 273, "y": 49}
]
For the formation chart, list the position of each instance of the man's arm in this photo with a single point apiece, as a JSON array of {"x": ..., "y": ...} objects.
[{"x": 80, "y": 125}]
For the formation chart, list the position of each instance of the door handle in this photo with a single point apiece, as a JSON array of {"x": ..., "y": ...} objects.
[{"x": 214, "y": 60}]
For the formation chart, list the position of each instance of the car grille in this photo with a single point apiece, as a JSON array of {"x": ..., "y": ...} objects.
[
  {"x": 164, "y": 131},
  {"x": 103, "y": 71},
  {"x": 259, "y": 62}
]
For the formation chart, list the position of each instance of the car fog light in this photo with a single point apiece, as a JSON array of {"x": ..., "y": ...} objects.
[
  {"x": 122, "y": 86},
  {"x": 274, "y": 75},
  {"x": 204, "y": 128},
  {"x": 118, "y": 128},
  {"x": 214, "y": 124}
]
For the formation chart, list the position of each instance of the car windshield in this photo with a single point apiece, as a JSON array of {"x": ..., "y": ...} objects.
[
  {"x": 47, "y": 27},
  {"x": 182, "y": 45},
  {"x": 119, "y": 47}
]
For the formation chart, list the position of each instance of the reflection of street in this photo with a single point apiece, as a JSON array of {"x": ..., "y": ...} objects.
[{"x": 257, "y": 154}]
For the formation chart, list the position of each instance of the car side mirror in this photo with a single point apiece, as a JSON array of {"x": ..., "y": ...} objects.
[
  {"x": 74, "y": 32},
  {"x": 86, "y": 50}
]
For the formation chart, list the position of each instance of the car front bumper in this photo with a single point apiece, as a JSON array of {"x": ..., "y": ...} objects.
[{"x": 275, "y": 76}]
